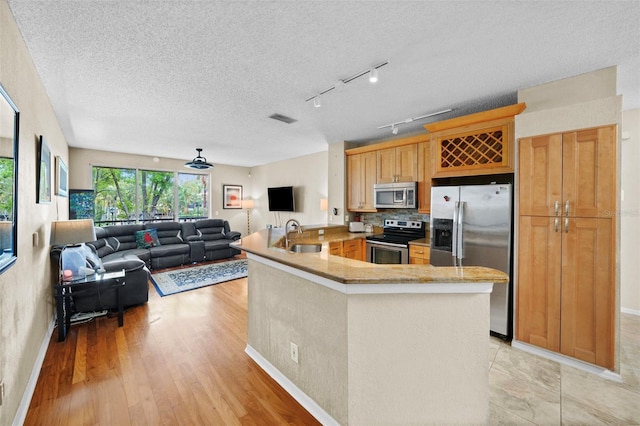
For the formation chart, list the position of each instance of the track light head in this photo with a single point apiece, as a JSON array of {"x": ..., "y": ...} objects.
[
  {"x": 316, "y": 102},
  {"x": 373, "y": 75},
  {"x": 394, "y": 129}
]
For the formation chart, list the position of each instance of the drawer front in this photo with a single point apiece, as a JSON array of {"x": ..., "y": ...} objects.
[{"x": 419, "y": 252}]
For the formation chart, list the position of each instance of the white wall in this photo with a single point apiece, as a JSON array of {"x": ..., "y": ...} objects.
[
  {"x": 630, "y": 213},
  {"x": 26, "y": 301},
  {"x": 307, "y": 174}
]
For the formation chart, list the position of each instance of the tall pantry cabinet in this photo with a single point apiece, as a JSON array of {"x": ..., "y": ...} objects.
[{"x": 566, "y": 244}]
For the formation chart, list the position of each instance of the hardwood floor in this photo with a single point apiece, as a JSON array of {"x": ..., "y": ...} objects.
[{"x": 178, "y": 360}]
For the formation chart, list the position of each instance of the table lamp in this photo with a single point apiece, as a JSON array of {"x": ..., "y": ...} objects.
[
  {"x": 248, "y": 204},
  {"x": 71, "y": 235}
]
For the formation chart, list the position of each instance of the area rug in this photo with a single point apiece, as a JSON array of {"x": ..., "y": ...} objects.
[{"x": 172, "y": 282}]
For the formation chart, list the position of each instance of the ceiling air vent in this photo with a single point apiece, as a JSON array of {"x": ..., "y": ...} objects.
[{"x": 283, "y": 118}]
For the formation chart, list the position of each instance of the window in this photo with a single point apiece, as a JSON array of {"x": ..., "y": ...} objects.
[
  {"x": 133, "y": 195},
  {"x": 192, "y": 196},
  {"x": 155, "y": 199}
]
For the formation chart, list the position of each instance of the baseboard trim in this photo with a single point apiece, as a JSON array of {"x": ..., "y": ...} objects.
[
  {"x": 309, "y": 404},
  {"x": 23, "y": 408},
  {"x": 571, "y": 362},
  {"x": 630, "y": 311}
]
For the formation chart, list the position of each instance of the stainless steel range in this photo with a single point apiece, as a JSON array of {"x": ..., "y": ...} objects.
[{"x": 392, "y": 246}]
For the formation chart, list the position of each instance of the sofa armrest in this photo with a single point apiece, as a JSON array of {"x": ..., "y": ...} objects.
[{"x": 233, "y": 235}]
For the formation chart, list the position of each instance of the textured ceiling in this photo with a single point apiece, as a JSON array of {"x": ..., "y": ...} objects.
[{"x": 165, "y": 77}]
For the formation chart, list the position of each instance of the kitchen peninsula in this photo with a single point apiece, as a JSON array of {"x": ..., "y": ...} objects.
[{"x": 361, "y": 343}]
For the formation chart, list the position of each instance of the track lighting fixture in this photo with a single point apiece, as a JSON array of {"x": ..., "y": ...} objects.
[
  {"x": 199, "y": 162},
  {"x": 394, "y": 126},
  {"x": 373, "y": 77}
]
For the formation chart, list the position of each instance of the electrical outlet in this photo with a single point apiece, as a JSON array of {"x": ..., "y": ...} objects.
[
  {"x": 294, "y": 352},
  {"x": 1, "y": 392}
]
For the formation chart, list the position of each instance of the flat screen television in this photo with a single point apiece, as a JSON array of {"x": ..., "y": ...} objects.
[{"x": 281, "y": 199}]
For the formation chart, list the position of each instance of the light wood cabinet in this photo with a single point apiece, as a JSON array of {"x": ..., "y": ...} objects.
[
  {"x": 397, "y": 164},
  {"x": 361, "y": 176},
  {"x": 424, "y": 178},
  {"x": 566, "y": 243},
  {"x": 335, "y": 248},
  {"x": 419, "y": 254},
  {"x": 572, "y": 172},
  {"x": 351, "y": 249},
  {"x": 395, "y": 160},
  {"x": 475, "y": 144}
]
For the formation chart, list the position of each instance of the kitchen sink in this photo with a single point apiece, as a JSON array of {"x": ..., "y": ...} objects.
[{"x": 306, "y": 248}]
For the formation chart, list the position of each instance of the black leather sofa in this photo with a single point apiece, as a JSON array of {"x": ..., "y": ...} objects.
[{"x": 178, "y": 243}]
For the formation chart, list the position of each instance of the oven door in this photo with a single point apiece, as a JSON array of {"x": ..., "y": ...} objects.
[{"x": 387, "y": 253}]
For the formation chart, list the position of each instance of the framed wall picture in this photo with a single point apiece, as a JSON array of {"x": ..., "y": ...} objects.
[
  {"x": 231, "y": 196},
  {"x": 81, "y": 204},
  {"x": 43, "y": 186},
  {"x": 62, "y": 178}
]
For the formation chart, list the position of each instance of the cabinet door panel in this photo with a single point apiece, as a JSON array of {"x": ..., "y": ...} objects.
[
  {"x": 540, "y": 172},
  {"x": 369, "y": 174},
  {"x": 361, "y": 176},
  {"x": 589, "y": 164},
  {"x": 538, "y": 284},
  {"x": 386, "y": 165},
  {"x": 588, "y": 290},
  {"x": 407, "y": 163},
  {"x": 354, "y": 181}
]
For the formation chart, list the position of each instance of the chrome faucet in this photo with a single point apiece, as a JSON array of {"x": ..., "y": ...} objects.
[{"x": 286, "y": 230}]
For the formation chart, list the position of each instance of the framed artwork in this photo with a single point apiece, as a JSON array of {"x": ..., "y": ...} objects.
[
  {"x": 231, "y": 196},
  {"x": 44, "y": 174},
  {"x": 81, "y": 204},
  {"x": 62, "y": 178}
]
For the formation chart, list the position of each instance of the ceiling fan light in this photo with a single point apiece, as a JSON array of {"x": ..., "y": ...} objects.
[
  {"x": 373, "y": 75},
  {"x": 199, "y": 163}
]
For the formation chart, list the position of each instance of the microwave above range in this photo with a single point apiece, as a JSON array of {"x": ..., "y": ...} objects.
[{"x": 397, "y": 195}]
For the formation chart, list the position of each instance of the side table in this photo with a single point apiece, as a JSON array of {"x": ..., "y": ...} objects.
[{"x": 64, "y": 292}]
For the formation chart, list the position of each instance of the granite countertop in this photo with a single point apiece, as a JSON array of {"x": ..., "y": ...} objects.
[
  {"x": 421, "y": 242},
  {"x": 268, "y": 243}
]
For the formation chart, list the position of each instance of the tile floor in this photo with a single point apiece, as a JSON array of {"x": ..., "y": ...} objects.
[{"x": 527, "y": 389}]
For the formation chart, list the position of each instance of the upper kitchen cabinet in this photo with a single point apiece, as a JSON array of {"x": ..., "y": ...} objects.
[
  {"x": 475, "y": 144},
  {"x": 397, "y": 160},
  {"x": 398, "y": 164},
  {"x": 570, "y": 174},
  {"x": 361, "y": 176}
]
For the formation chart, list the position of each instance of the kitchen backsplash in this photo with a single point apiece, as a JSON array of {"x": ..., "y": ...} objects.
[{"x": 377, "y": 219}]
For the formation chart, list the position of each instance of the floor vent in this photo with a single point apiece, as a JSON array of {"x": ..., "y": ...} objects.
[{"x": 283, "y": 118}]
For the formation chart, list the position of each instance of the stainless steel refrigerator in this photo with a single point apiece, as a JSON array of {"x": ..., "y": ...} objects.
[{"x": 471, "y": 226}]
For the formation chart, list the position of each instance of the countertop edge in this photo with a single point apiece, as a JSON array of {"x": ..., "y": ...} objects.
[
  {"x": 341, "y": 270},
  {"x": 382, "y": 287}
]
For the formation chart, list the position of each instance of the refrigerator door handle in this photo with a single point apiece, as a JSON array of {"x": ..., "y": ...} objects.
[
  {"x": 460, "y": 224},
  {"x": 454, "y": 245}
]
